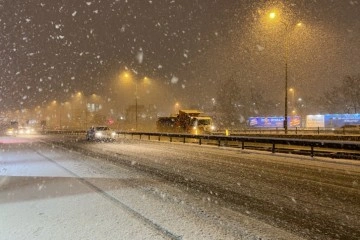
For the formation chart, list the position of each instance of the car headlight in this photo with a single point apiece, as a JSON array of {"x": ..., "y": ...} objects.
[
  {"x": 98, "y": 134},
  {"x": 113, "y": 134}
]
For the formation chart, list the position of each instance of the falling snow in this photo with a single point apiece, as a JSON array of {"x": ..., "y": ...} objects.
[{"x": 204, "y": 43}]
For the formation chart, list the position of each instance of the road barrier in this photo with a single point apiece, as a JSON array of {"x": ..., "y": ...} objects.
[
  {"x": 293, "y": 130},
  {"x": 284, "y": 144},
  {"x": 329, "y": 148}
]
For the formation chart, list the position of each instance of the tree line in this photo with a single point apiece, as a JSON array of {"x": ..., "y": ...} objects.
[{"x": 238, "y": 99}]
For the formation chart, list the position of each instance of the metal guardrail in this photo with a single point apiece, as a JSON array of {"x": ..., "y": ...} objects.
[
  {"x": 294, "y": 131},
  {"x": 276, "y": 144},
  {"x": 348, "y": 149}
]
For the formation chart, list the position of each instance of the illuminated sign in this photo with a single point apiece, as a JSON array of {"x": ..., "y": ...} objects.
[
  {"x": 339, "y": 120},
  {"x": 315, "y": 121},
  {"x": 274, "y": 122}
]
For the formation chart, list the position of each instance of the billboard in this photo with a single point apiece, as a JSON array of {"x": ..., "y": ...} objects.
[
  {"x": 274, "y": 122},
  {"x": 312, "y": 121},
  {"x": 339, "y": 120},
  {"x": 331, "y": 120},
  {"x": 315, "y": 121}
]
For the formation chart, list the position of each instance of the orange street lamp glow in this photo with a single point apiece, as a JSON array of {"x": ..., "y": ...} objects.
[
  {"x": 272, "y": 15},
  {"x": 147, "y": 80},
  {"x": 125, "y": 77}
]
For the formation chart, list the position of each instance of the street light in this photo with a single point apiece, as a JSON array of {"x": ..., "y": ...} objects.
[
  {"x": 292, "y": 90},
  {"x": 177, "y": 107},
  {"x": 61, "y": 108},
  {"x": 79, "y": 110},
  {"x": 52, "y": 113},
  {"x": 127, "y": 76},
  {"x": 273, "y": 15}
]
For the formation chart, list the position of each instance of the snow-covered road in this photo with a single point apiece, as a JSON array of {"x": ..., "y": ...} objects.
[{"x": 171, "y": 191}]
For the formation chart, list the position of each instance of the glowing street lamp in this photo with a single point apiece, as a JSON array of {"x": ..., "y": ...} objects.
[
  {"x": 127, "y": 76},
  {"x": 177, "y": 107},
  {"x": 62, "y": 105},
  {"x": 273, "y": 15},
  {"x": 52, "y": 113}
]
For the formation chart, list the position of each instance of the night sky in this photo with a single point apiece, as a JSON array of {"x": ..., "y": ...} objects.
[{"x": 50, "y": 49}]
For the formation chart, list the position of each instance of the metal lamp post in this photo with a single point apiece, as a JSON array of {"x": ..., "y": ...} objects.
[
  {"x": 286, "y": 78},
  {"x": 136, "y": 105},
  {"x": 136, "y": 81},
  {"x": 286, "y": 49}
]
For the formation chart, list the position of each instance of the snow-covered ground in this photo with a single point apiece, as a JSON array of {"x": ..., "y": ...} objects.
[{"x": 51, "y": 193}]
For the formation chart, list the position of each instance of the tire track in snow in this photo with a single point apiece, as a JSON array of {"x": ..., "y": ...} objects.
[{"x": 166, "y": 233}]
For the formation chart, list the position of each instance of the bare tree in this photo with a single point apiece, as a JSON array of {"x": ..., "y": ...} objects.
[
  {"x": 238, "y": 100},
  {"x": 344, "y": 98}
]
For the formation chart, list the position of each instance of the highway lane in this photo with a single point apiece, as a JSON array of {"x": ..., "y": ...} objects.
[
  {"x": 247, "y": 193},
  {"x": 49, "y": 192},
  {"x": 315, "y": 198}
]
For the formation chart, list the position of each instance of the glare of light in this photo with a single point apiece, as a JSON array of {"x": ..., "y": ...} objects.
[
  {"x": 125, "y": 75},
  {"x": 147, "y": 80},
  {"x": 272, "y": 15}
]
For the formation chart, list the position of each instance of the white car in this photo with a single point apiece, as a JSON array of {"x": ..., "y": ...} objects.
[
  {"x": 11, "y": 132},
  {"x": 26, "y": 130},
  {"x": 103, "y": 133}
]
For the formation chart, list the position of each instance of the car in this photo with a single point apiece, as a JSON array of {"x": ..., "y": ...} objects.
[
  {"x": 11, "y": 132},
  {"x": 26, "y": 130},
  {"x": 349, "y": 129},
  {"x": 102, "y": 133}
]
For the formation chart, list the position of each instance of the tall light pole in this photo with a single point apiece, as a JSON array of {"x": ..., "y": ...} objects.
[
  {"x": 136, "y": 105},
  {"x": 293, "y": 105},
  {"x": 145, "y": 80},
  {"x": 272, "y": 15},
  {"x": 286, "y": 78},
  {"x": 60, "y": 116},
  {"x": 128, "y": 77}
]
